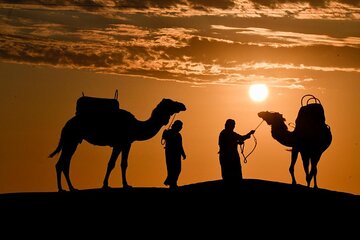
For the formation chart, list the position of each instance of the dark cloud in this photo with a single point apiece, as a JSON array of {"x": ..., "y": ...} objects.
[
  {"x": 197, "y": 4},
  {"x": 138, "y": 4},
  {"x": 229, "y": 54},
  {"x": 57, "y": 53},
  {"x": 203, "y": 4},
  {"x": 351, "y": 2},
  {"x": 143, "y": 4},
  {"x": 275, "y": 3},
  {"x": 314, "y": 3}
]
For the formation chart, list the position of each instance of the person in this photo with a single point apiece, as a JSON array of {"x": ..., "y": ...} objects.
[
  {"x": 229, "y": 157},
  {"x": 174, "y": 150}
]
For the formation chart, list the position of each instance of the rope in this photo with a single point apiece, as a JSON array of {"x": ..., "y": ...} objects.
[
  {"x": 259, "y": 125},
  {"x": 172, "y": 120},
  {"x": 242, "y": 146}
]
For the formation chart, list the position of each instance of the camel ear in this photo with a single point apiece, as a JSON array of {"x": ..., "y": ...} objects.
[{"x": 166, "y": 100}]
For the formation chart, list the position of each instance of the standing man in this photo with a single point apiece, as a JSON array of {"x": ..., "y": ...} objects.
[
  {"x": 228, "y": 154},
  {"x": 173, "y": 152}
]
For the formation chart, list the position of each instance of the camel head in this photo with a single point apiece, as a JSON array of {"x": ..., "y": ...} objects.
[
  {"x": 271, "y": 118},
  {"x": 167, "y": 107},
  {"x": 279, "y": 130}
]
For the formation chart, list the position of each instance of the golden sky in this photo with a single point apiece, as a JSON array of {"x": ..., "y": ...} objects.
[{"x": 203, "y": 53}]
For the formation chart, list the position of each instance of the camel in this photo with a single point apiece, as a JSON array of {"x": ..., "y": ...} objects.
[
  {"x": 118, "y": 129},
  {"x": 311, "y": 137}
]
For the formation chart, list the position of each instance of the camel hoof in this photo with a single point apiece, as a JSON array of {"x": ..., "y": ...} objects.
[
  {"x": 127, "y": 187},
  {"x": 106, "y": 187},
  {"x": 61, "y": 190}
]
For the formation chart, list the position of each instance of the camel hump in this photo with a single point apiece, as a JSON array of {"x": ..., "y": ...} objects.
[{"x": 86, "y": 105}]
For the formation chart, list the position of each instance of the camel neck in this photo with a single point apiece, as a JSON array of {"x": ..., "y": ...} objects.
[
  {"x": 147, "y": 129},
  {"x": 281, "y": 133}
]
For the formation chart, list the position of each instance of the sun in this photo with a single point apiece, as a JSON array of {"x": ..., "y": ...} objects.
[{"x": 258, "y": 92}]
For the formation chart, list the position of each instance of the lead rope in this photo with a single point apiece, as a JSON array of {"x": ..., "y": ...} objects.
[
  {"x": 172, "y": 120},
  {"x": 242, "y": 146}
]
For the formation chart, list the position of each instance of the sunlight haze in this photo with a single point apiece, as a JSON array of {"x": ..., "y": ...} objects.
[{"x": 258, "y": 92}]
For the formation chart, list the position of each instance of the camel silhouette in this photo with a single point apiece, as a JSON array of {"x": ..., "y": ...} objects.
[
  {"x": 117, "y": 129},
  {"x": 311, "y": 136}
]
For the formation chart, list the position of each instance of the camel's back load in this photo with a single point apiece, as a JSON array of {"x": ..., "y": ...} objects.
[
  {"x": 311, "y": 114},
  {"x": 93, "y": 105},
  {"x": 310, "y": 123}
]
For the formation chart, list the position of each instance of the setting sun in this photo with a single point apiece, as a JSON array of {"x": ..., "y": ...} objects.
[{"x": 258, "y": 92}]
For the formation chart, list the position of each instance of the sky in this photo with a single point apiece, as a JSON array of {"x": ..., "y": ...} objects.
[{"x": 203, "y": 53}]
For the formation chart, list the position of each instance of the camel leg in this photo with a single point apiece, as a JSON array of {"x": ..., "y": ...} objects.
[
  {"x": 306, "y": 161},
  {"x": 124, "y": 165},
  {"x": 313, "y": 172},
  {"x": 294, "y": 155},
  {"x": 59, "y": 168},
  {"x": 114, "y": 155},
  {"x": 63, "y": 165}
]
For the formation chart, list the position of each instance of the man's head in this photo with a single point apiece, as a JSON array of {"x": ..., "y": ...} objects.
[
  {"x": 230, "y": 124},
  {"x": 177, "y": 125}
]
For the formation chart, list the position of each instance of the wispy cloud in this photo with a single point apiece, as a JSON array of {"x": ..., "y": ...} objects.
[
  {"x": 197, "y": 42},
  {"x": 291, "y": 39}
]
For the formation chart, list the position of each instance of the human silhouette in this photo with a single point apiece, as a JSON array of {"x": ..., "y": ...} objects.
[
  {"x": 174, "y": 150},
  {"x": 229, "y": 157}
]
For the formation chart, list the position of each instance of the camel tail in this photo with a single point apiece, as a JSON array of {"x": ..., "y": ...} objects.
[{"x": 57, "y": 150}]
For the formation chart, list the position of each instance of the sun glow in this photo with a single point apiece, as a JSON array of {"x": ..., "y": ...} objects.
[{"x": 258, "y": 92}]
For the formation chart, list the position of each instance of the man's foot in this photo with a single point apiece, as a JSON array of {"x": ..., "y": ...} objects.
[{"x": 174, "y": 186}]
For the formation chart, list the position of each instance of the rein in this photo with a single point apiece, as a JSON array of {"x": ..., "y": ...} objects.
[
  {"x": 242, "y": 146},
  {"x": 172, "y": 120}
]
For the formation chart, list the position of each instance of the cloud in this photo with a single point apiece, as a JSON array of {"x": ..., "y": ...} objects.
[
  {"x": 197, "y": 42},
  {"x": 290, "y": 39},
  {"x": 317, "y": 3},
  {"x": 304, "y": 9}
]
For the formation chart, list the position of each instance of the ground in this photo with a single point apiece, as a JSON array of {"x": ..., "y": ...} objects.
[{"x": 204, "y": 208}]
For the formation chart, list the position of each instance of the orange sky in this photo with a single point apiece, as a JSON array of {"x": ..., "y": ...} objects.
[{"x": 205, "y": 54}]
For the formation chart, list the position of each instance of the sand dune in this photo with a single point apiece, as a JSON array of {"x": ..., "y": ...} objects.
[{"x": 255, "y": 203}]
